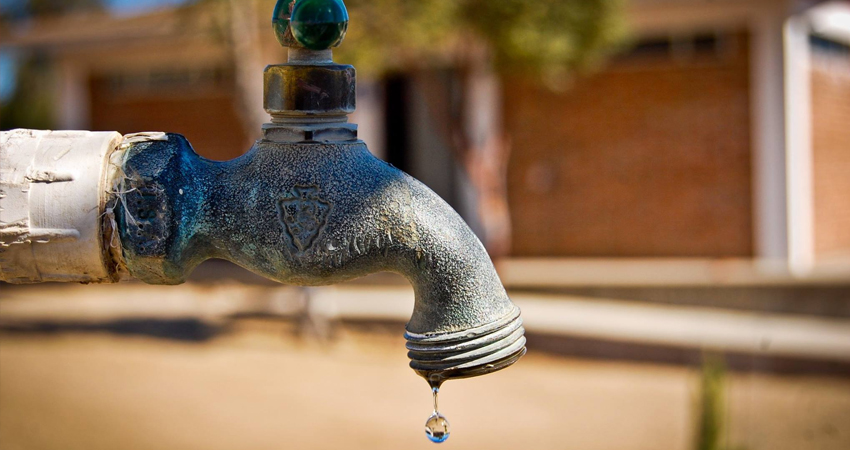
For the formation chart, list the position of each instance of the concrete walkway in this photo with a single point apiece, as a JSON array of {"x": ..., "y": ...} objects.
[
  {"x": 260, "y": 388},
  {"x": 776, "y": 335}
]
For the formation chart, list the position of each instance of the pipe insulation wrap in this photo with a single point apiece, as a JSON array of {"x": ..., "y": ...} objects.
[{"x": 56, "y": 188}]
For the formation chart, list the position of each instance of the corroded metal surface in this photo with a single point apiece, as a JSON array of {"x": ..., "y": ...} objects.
[{"x": 318, "y": 214}]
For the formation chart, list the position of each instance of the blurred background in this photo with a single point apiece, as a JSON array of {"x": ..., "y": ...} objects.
[{"x": 663, "y": 184}]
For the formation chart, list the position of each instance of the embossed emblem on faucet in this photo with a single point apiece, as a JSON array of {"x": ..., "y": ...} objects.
[{"x": 304, "y": 213}]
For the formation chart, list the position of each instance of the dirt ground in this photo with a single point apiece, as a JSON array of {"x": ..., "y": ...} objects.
[{"x": 260, "y": 387}]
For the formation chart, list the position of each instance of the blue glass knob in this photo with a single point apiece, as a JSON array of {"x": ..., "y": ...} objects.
[{"x": 319, "y": 24}]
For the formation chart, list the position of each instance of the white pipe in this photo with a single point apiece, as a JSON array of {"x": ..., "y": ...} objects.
[{"x": 54, "y": 188}]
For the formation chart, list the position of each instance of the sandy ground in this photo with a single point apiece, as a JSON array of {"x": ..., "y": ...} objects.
[{"x": 259, "y": 387}]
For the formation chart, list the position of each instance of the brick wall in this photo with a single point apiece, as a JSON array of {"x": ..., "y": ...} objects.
[
  {"x": 649, "y": 158},
  {"x": 203, "y": 110},
  {"x": 831, "y": 153}
]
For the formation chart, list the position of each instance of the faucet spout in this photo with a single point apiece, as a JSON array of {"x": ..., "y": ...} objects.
[{"x": 316, "y": 214}]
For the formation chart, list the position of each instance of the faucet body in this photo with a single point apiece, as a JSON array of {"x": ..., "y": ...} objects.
[{"x": 318, "y": 213}]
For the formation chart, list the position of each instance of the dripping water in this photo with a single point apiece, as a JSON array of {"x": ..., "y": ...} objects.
[{"x": 437, "y": 426}]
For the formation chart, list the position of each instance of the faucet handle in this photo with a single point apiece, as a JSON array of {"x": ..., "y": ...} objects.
[{"x": 310, "y": 24}]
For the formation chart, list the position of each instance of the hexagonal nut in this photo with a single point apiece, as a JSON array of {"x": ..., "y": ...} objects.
[{"x": 310, "y": 90}]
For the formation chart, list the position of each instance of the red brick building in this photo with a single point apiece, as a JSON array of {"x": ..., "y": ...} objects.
[{"x": 724, "y": 134}]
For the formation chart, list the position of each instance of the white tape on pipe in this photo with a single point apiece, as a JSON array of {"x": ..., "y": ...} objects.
[{"x": 53, "y": 192}]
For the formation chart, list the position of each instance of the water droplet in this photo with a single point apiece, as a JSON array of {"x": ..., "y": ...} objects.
[
  {"x": 437, "y": 426},
  {"x": 435, "y": 391}
]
